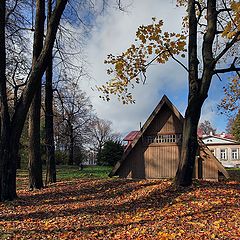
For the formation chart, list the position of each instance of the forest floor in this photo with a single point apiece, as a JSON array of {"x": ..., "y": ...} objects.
[{"x": 102, "y": 208}]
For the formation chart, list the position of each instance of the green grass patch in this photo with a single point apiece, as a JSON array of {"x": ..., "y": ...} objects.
[
  {"x": 73, "y": 172},
  {"x": 65, "y": 172}
]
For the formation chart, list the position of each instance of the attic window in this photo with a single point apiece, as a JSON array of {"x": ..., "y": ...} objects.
[{"x": 163, "y": 138}]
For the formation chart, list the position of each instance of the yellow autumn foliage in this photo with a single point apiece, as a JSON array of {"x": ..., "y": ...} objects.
[{"x": 152, "y": 44}]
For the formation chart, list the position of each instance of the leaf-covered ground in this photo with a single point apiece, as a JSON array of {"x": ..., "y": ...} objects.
[{"x": 123, "y": 209}]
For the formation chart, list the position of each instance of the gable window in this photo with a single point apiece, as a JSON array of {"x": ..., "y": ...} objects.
[
  {"x": 163, "y": 138},
  {"x": 149, "y": 139},
  {"x": 223, "y": 154},
  {"x": 234, "y": 154}
]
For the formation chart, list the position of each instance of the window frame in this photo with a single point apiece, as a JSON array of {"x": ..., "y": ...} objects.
[
  {"x": 235, "y": 153},
  {"x": 225, "y": 154},
  {"x": 163, "y": 138}
]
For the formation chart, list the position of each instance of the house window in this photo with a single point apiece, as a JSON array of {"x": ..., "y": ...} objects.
[
  {"x": 163, "y": 138},
  {"x": 223, "y": 154},
  {"x": 234, "y": 154}
]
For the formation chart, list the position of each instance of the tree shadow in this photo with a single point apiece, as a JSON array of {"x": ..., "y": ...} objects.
[
  {"x": 101, "y": 190},
  {"x": 114, "y": 197},
  {"x": 158, "y": 198}
]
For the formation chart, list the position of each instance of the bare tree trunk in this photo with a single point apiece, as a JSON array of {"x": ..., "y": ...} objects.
[
  {"x": 7, "y": 166},
  {"x": 50, "y": 149},
  {"x": 35, "y": 162},
  {"x": 71, "y": 146},
  {"x": 11, "y": 130},
  {"x": 198, "y": 89},
  {"x": 189, "y": 145}
]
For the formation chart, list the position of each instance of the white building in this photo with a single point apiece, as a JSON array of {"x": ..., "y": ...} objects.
[{"x": 224, "y": 149}]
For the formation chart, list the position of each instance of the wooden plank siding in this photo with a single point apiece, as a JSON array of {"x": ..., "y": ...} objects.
[
  {"x": 155, "y": 160},
  {"x": 165, "y": 122},
  {"x": 136, "y": 166},
  {"x": 209, "y": 169},
  {"x": 161, "y": 161},
  {"x": 155, "y": 151}
]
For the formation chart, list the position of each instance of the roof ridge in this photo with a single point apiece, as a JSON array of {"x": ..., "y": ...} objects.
[{"x": 163, "y": 100}]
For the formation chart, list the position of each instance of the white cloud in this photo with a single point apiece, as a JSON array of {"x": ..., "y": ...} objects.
[
  {"x": 114, "y": 32},
  {"x": 210, "y": 111}
]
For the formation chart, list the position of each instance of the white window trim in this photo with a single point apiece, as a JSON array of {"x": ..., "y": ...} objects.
[
  {"x": 163, "y": 138},
  {"x": 225, "y": 154},
  {"x": 235, "y": 154}
]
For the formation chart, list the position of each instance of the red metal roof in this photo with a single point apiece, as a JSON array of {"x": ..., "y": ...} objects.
[
  {"x": 131, "y": 136},
  {"x": 225, "y": 135},
  {"x": 200, "y": 132}
]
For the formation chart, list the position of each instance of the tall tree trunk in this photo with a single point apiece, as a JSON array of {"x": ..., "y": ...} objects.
[
  {"x": 50, "y": 149},
  {"x": 35, "y": 162},
  {"x": 11, "y": 131},
  {"x": 198, "y": 89},
  {"x": 7, "y": 166},
  {"x": 71, "y": 146},
  {"x": 189, "y": 144}
]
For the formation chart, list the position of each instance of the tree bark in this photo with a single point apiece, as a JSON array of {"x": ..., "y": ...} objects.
[
  {"x": 11, "y": 130},
  {"x": 7, "y": 146},
  {"x": 49, "y": 140},
  {"x": 35, "y": 162},
  {"x": 189, "y": 144},
  {"x": 71, "y": 146},
  {"x": 198, "y": 89}
]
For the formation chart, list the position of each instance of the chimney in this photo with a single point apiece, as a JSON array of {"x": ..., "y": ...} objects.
[{"x": 223, "y": 135}]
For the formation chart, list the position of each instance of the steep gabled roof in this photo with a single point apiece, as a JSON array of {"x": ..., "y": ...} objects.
[{"x": 138, "y": 135}]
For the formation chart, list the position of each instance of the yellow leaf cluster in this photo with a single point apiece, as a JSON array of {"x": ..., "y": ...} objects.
[
  {"x": 230, "y": 101},
  {"x": 233, "y": 25},
  {"x": 129, "y": 68}
]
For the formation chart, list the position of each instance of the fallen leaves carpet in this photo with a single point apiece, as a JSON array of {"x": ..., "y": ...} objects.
[{"x": 123, "y": 209}]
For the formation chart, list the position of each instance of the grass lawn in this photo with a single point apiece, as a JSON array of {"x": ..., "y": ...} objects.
[
  {"x": 81, "y": 207},
  {"x": 65, "y": 172}
]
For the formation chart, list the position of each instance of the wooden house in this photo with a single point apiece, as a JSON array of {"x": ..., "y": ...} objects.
[{"x": 154, "y": 151}]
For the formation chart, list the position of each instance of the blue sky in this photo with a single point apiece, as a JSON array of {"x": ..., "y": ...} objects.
[{"x": 113, "y": 33}]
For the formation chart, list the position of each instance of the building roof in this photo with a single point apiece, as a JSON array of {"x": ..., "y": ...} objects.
[
  {"x": 215, "y": 140},
  {"x": 136, "y": 136},
  {"x": 131, "y": 136},
  {"x": 163, "y": 101},
  {"x": 225, "y": 135}
]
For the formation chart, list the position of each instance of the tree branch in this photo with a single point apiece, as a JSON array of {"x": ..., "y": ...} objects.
[
  {"x": 230, "y": 16},
  {"x": 232, "y": 68},
  {"x": 224, "y": 10},
  {"x": 177, "y": 59},
  {"x": 225, "y": 70},
  {"x": 228, "y": 46}
]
